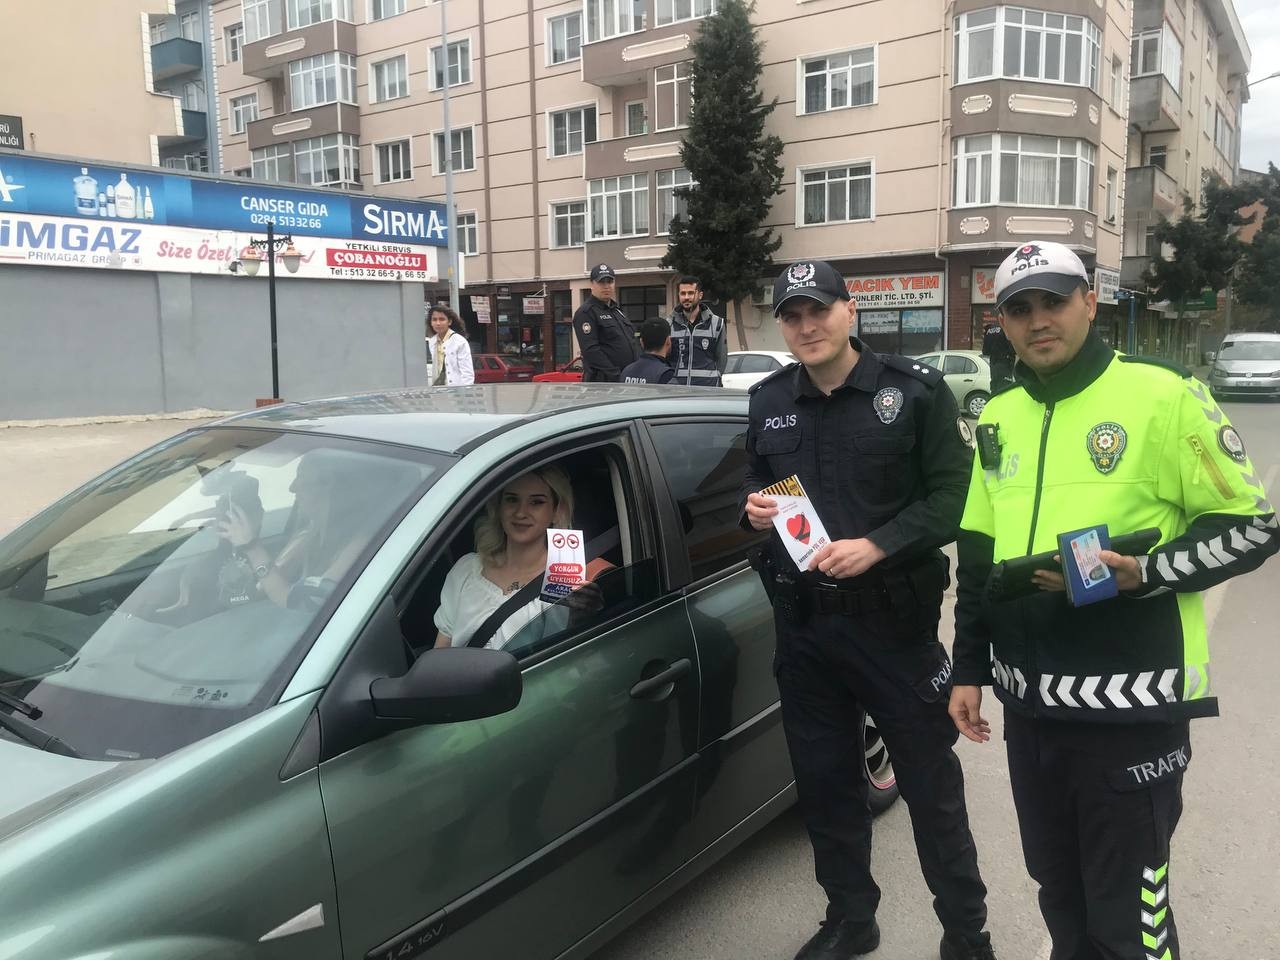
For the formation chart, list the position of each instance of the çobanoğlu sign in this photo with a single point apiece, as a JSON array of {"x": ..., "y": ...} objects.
[{"x": 60, "y": 213}]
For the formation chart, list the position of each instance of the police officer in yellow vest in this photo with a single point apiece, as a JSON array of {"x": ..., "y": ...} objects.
[{"x": 1097, "y": 697}]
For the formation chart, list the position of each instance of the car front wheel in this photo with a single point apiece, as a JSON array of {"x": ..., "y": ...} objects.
[
  {"x": 975, "y": 402},
  {"x": 878, "y": 767}
]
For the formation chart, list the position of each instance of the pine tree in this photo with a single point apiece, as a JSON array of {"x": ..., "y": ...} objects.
[{"x": 732, "y": 161}]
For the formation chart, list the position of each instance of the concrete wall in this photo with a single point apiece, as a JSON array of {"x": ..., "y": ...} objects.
[{"x": 94, "y": 342}]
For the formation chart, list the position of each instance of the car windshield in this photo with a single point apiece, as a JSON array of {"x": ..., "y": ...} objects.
[
  {"x": 175, "y": 596},
  {"x": 1250, "y": 350}
]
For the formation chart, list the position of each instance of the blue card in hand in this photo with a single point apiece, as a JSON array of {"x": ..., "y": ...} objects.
[{"x": 1088, "y": 578}]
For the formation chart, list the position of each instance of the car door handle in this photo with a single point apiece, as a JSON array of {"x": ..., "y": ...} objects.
[
  {"x": 968, "y": 379},
  {"x": 656, "y": 687}
]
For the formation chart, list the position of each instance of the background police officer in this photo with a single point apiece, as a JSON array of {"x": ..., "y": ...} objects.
[
  {"x": 653, "y": 365},
  {"x": 878, "y": 445},
  {"x": 1097, "y": 698},
  {"x": 605, "y": 335},
  {"x": 698, "y": 338}
]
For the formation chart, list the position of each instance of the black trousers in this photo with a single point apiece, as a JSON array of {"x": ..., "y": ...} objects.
[
  {"x": 831, "y": 669},
  {"x": 1097, "y": 806}
]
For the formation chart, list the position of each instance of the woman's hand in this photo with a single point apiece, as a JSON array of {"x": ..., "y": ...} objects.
[
  {"x": 584, "y": 601},
  {"x": 236, "y": 527}
]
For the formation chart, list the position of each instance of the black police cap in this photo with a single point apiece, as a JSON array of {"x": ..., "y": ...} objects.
[{"x": 812, "y": 279}]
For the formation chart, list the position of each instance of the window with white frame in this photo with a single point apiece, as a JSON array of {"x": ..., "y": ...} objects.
[
  {"x": 381, "y": 9},
  {"x": 1158, "y": 155},
  {"x": 393, "y": 161},
  {"x": 972, "y": 162},
  {"x": 324, "y": 78},
  {"x": 234, "y": 39},
  {"x": 159, "y": 31},
  {"x": 564, "y": 38},
  {"x": 1023, "y": 170},
  {"x": 1113, "y": 193},
  {"x": 389, "y": 79},
  {"x": 612, "y": 18},
  {"x": 670, "y": 205},
  {"x": 244, "y": 110},
  {"x": 459, "y": 64},
  {"x": 1221, "y": 132},
  {"x": 462, "y": 151},
  {"x": 637, "y": 118},
  {"x": 193, "y": 95},
  {"x": 837, "y": 194},
  {"x": 327, "y": 161},
  {"x": 189, "y": 26},
  {"x": 1117, "y": 84},
  {"x": 1023, "y": 44},
  {"x": 1157, "y": 51},
  {"x": 839, "y": 80},
  {"x": 262, "y": 19},
  {"x": 303, "y": 13},
  {"x": 569, "y": 223},
  {"x": 673, "y": 11},
  {"x": 619, "y": 206},
  {"x": 672, "y": 95},
  {"x": 468, "y": 234},
  {"x": 570, "y": 130},
  {"x": 273, "y": 163}
]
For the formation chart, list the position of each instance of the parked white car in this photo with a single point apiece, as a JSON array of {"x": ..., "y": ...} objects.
[
  {"x": 747, "y": 367},
  {"x": 967, "y": 373}
]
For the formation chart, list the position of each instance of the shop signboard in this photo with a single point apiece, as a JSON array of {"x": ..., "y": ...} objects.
[
  {"x": 982, "y": 285},
  {"x": 896, "y": 291},
  {"x": 877, "y": 321},
  {"x": 535, "y": 306},
  {"x": 11, "y": 132},
  {"x": 1105, "y": 284},
  {"x": 480, "y": 305}
]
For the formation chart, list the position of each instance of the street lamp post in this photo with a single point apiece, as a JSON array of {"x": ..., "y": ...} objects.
[{"x": 251, "y": 261}]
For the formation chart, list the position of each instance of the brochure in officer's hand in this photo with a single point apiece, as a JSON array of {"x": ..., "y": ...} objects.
[{"x": 797, "y": 521}]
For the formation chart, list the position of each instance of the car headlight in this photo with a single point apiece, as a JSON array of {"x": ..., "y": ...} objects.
[{"x": 1217, "y": 371}]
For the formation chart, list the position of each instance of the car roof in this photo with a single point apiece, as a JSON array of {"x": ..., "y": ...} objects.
[
  {"x": 1251, "y": 336},
  {"x": 455, "y": 419}
]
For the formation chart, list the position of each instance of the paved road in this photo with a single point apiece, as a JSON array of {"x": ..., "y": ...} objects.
[{"x": 761, "y": 902}]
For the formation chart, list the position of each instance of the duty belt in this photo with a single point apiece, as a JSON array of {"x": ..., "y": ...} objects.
[{"x": 833, "y": 598}]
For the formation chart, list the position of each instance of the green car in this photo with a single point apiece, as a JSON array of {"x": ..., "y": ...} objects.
[{"x": 232, "y": 726}]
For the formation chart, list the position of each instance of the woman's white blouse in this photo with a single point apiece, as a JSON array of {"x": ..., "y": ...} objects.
[{"x": 467, "y": 600}]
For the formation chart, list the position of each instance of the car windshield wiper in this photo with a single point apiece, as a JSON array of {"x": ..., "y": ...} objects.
[{"x": 28, "y": 731}]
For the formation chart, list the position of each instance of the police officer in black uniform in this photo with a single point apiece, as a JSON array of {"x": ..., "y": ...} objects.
[
  {"x": 698, "y": 338},
  {"x": 654, "y": 365},
  {"x": 880, "y": 448},
  {"x": 605, "y": 335}
]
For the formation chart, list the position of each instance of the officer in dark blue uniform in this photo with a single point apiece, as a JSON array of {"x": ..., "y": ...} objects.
[
  {"x": 880, "y": 448},
  {"x": 605, "y": 335},
  {"x": 654, "y": 365}
]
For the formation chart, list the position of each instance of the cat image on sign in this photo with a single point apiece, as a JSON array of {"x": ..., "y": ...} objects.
[{"x": 797, "y": 521}]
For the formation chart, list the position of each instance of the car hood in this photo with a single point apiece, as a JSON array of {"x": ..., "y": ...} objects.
[
  {"x": 39, "y": 784},
  {"x": 1249, "y": 366}
]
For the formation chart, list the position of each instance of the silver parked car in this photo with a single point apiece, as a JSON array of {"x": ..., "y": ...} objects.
[
  {"x": 1247, "y": 365},
  {"x": 967, "y": 373}
]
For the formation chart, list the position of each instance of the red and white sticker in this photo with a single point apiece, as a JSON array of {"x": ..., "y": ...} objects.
[{"x": 566, "y": 564}]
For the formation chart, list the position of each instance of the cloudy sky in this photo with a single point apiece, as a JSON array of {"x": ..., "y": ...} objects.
[{"x": 1261, "y": 122}]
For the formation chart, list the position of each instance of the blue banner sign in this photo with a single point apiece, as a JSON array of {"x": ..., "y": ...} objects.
[{"x": 93, "y": 191}]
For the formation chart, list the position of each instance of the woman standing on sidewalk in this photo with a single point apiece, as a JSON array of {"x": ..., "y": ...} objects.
[{"x": 448, "y": 353}]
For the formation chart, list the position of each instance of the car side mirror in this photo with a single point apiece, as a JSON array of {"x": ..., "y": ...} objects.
[
  {"x": 1210, "y": 356},
  {"x": 450, "y": 684}
]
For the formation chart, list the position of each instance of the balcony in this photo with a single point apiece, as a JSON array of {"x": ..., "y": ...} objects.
[
  {"x": 642, "y": 154},
  {"x": 1150, "y": 189},
  {"x": 316, "y": 122},
  {"x": 630, "y": 58},
  {"x": 1026, "y": 106},
  {"x": 1009, "y": 226},
  {"x": 195, "y": 127},
  {"x": 270, "y": 58},
  {"x": 1154, "y": 106},
  {"x": 173, "y": 58}
]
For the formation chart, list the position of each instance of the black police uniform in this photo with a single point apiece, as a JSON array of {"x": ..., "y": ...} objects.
[
  {"x": 607, "y": 339},
  {"x": 650, "y": 368},
  {"x": 699, "y": 348},
  {"x": 999, "y": 352},
  {"x": 882, "y": 457}
]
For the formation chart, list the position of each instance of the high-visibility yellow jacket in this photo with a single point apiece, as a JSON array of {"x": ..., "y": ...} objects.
[{"x": 1132, "y": 444}]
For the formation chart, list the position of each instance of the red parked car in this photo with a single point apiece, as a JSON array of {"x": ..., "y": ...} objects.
[
  {"x": 571, "y": 372},
  {"x": 497, "y": 368}
]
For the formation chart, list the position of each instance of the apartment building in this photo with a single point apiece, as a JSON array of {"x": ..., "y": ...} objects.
[
  {"x": 922, "y": 141},
  {"x": 1188, "y": 65},
  {"x": 116, "y": 88}
]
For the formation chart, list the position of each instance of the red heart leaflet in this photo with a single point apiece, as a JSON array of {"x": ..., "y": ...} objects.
[{"x": 798, "y": 527}]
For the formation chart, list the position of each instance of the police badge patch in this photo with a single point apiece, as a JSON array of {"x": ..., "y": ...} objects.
[
  {"x": 1231, "y": 444},
  {"x": 705, "y": 343},
  {"x": 1105, "y": 444},
  {"x": 586, "y": 327},
  {"x": 888, "y": 404},
  {"x": 965, "y": 431}
]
